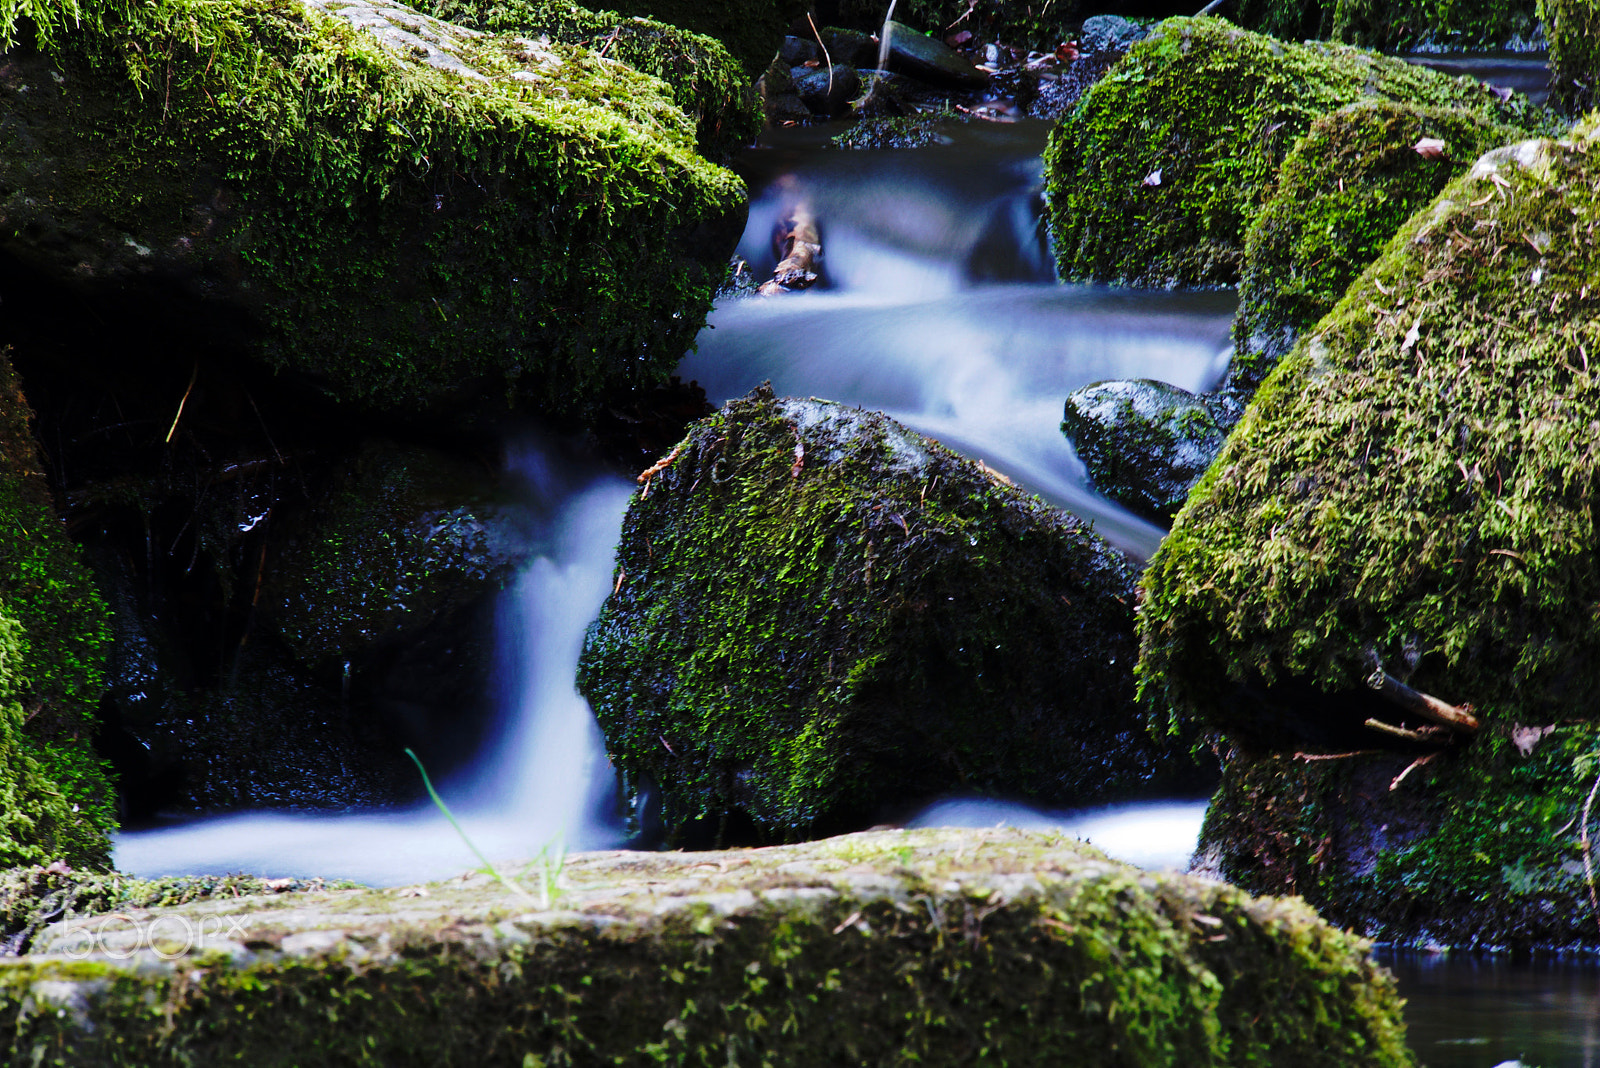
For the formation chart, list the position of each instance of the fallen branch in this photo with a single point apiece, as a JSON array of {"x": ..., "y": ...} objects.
[
  {"x": 799, "y": 247},
  {"x": 1400, "y": 732},
  {"x": 1413, "y": 766},
  {"x": 1459, "y": 718},
  {"x": 1336, "y": 756}
]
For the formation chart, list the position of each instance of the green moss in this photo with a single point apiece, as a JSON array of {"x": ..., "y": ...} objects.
[
  {"x": 751, "y": 32},
  {"x": 1213, "y": 109},
  {"x": 706, "y": 82},
  {"x": 1415, "y": 483},
  {"x": 412, "y": 237},
  {"x": 1480, "y": 847},
  {"x": 818, "y": 613},
  {"x": 60, "y": 802},
  {"x": 1573, "y": 27},
  {"x": 929, "y": 947},
  {"x": 1342, "y": 192},
  {"x": 1396, "y": 25}
]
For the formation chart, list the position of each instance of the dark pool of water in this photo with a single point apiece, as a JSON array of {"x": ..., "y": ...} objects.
[{"x": 1467, "y": 1011}]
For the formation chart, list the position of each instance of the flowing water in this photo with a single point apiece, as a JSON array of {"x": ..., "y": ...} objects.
[{"x": 938, "y": 304}]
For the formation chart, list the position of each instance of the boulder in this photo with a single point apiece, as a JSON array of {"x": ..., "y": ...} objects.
[
  {"x": 820, "y": 615},
  {"x": 56, "y": 799},
  {"x": 1145, "y": 443},
  {"x": 1412, "y": 494},
  {"x": 380, "y": 202},
  {"x": 795, "y": 51},
  {"x": 850, "y": 47},
  {"x": 711, "y": 86},
  {"x": 1346, "y": 187},
  {"x": 1154, "y": 177},
  {"x": 922, "y": 57},
  {"x": 943, "y": 947},
  {"x": 1573, "y": 28},
  {"x": 1110, "y": 33},
  {"x": 829, "y": 91},
  {"x": 751, "y": 32}
]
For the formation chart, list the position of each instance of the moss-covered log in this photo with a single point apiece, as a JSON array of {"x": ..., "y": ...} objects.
[
  {"x": 418, "y": 216},
  {"x": 55, "y": 796},
  {"x": 1154, "y": 177},
  {"x": 1346, "y": 187},
  {"x": 706, "y": 81},
  {"x": 819, "y": 613},
  {"x": 1573, "y": 27},
  {"x": 927, "y": 947}
]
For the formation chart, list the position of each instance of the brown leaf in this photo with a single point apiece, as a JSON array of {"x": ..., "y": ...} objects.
[{"x": 1430, "y": 148}]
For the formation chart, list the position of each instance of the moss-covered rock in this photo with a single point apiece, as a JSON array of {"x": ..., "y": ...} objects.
[
  {"x": 1145, "y": 443},
  {"x": 418, "y": 216},
  {"x": 1480, "y": 847},
  {"x": 751, "y": 31},
  {"x": 1397, "y": 25},
  {"x": 1414, "y": 489},
  {"x": 707, "y": 83},
  {"x": 1343, "y": 191},
  {"x": 933, "y": 947},
  {"x": 819, "y": 613},
  {"x": 55, "y": 795},
  {"x": 1573, "y": 27},
  {"x": 1154, "y": 177},
  {"x": 404, "y": 539}
]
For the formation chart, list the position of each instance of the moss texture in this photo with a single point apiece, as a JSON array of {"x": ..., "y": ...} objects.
[
  {"x": 1479, "y": 848},
  {"x": 1154, "y": 177},
  {"x": 57, "y": 799},
  {"x": 403, "y": 539},
  {"x": 1573, "y": 27},
  {"x": 819, "y": 613},
  {"x": 707, "y": 83},
  {"x": 927, "y": 947},
  {"x": 1406, "y": 25},
  {"x": 1343, "y": 191},
  {"x": 416, "y": 226},
  {"x": 751, "y": 32}
]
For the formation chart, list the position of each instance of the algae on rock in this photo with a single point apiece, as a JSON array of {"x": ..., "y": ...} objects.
[
  {"x": 819, "y": 614},
  {"x": 939, "y": 947},
  {"x": 57, "y": 801},
  {"x": 1343, "y": 191},
  {"x": 418, "y": 216},
  {"x": 1154, "y": 177},
  {"x": 1415, "y": 489}
]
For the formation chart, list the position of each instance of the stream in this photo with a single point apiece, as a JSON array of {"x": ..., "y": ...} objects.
[{"x": 938, "y": 305}]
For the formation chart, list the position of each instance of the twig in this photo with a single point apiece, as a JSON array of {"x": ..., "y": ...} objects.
[
  {"x": 1336, "y": 756},
  {"x": 1413, "y": 766},
  {"x": 1399, "y": 732},
  {"x": 1458, "y": 718},
  {"x": 174, "y": 428},
  {"x": 1588, "y": 862},
  {"x": 1209, "y": 8},
  {"x": 824, "y": 48}
]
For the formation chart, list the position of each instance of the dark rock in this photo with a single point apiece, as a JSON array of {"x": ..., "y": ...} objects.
[
  {"x": 797, "y": 50},
  {"x": 820, "y": 613},
  {"x": 1145, "y": 443},
  {"x": 1110, "y": 33},
  {"x": 850, "y": 47},
  {"x": 922, "y": 57},
  {"x": 829, "y": 92}
]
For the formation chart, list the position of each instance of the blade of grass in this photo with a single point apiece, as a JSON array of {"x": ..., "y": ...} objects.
[{"x": 488, "y": 866}]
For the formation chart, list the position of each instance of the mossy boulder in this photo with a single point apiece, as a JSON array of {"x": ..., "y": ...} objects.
[
  {"x": 1481, "y": 847},
  {"x": 417, "y": 216},
  {"x": 1153, "y": 179},
  {"x": 1145, "y": 443},
  {"x": 707, "y": 83},
  {"x": 751, "y": 32},
  {"x": 1413, "y": 489},
  {"x": 56, "y": 799},
  {"x": 1343, "y": 191},
  {"x": 1573, "y": 27},
  {"x": 936, "y": 947},
  {"x": 820, "y": 614},
  {"x": 404, "y": 539}
]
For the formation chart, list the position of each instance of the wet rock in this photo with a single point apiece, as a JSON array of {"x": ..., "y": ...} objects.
[
  {"x": 920, "y": 56},
  {"x": 820, "y": 614},
  {"x": 850, "y": 47},
  {"x": 1154, "y": 178},
  {"x": 56, "y": 800},
  {"x": 1057, "y": 952},
  {"x": 1110, "y": 33},
  {"x": 1145, "y": 443},
  {"x": 308, "y": 231},
  {"x": 829, "y": 92},
  {"x": 795, "y": 51},
  {"x": 1412, "y": 491},
  {"x": 1343, "y": 191}
]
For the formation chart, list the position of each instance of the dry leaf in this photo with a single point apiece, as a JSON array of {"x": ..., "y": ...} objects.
[
  {"x": 1153, "y": 178},
  {"x": 1525, "y": 738},
  {"x": 1430, "y": 148},
  {"x": 1412, "y": 335}
]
